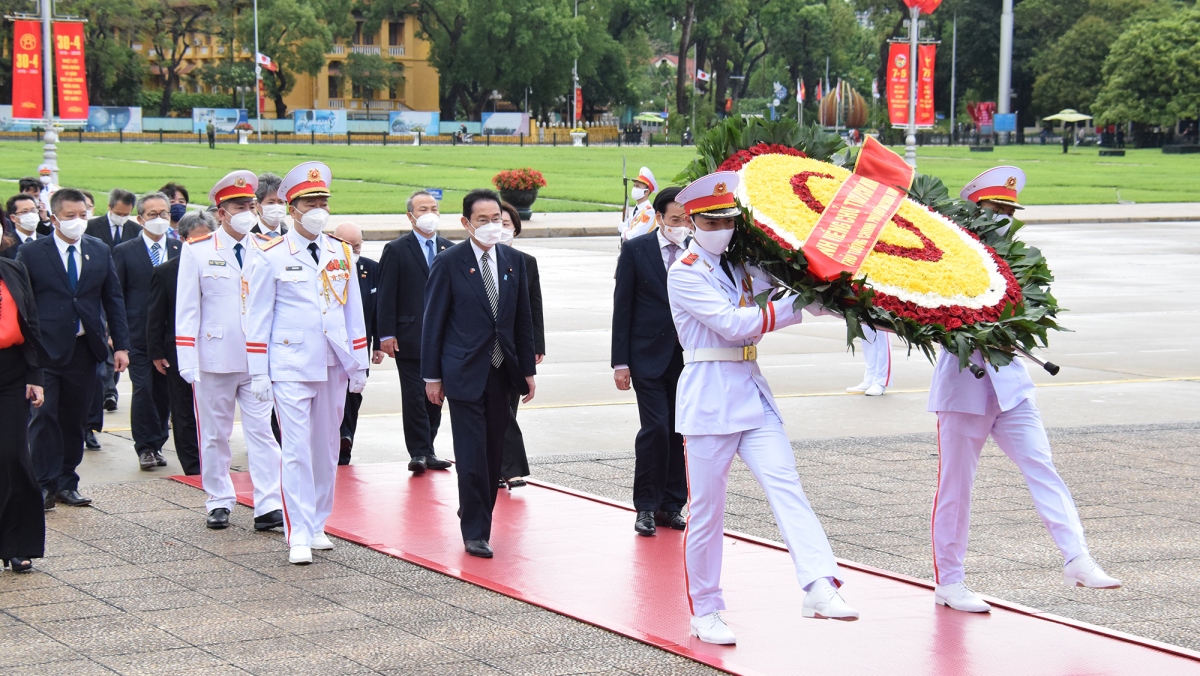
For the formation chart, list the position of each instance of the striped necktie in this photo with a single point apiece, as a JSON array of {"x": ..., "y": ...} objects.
[
  {"x": 155, "y": 254},
  {"x": 485, "y": 267}
]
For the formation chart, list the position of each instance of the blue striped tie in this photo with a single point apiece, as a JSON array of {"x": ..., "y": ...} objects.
[{"x": 155, "y": 255}]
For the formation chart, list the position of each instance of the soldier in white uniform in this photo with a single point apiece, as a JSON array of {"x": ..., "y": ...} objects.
[
  {"x": 1001, "y": 405},
  {"x": 306, "y": 342},
  {"x": 210, "y": 318},
  {"x": 643, "y": 219},
  {"x": 725, "y": 408},
  {"x": 877, "y": 352}
]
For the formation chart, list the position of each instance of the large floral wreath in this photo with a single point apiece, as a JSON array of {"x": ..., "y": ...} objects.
[{"x": 941, "y": 273}]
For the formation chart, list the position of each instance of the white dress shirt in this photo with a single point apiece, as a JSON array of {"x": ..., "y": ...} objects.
[
  {"x": 162, "y": 247},
  {"x": 492, "y": 265},
  {"x": 112, "y": 228},
  {"x": 78, "y": 253}
]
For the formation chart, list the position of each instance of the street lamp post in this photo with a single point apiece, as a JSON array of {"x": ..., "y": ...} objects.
[
  {"x": 910, "y": 140},
  {"x": 1004, "y": 96},
  {"x": 575, "y": 81},
  {"x": 257, "y": 79},
  {"x": 49, "y": 151}
]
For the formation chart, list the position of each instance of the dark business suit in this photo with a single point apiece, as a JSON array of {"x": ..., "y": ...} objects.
[
  {"x": 160, "y": 344},
  {"x": 57, "y": 430},
  {"x": 368, "y": 280},
  {"x": 11, "y": 252},
  {"x": 457, "y": 344},
  {"x": 22, "y": 521},
  {"x": 403, "y": 272},
  {"x": 150, "y": 408},
  {"x": 516, "y": 461},
  {"x": 259, "y": 230},
  {"x": 644, "y": 339},
  {"x": 106, "y": 379}
]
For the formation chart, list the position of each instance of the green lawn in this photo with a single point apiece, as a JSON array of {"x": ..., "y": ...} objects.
[{"x": 375, "y": 179}]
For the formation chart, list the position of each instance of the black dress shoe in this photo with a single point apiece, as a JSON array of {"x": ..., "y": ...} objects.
[
  {"x": 146, "y": 461},
  {"x": 269, "y": 520},
  {"x": 219, "y": 518},
  {"x": 479, "y": 548},
  {"x": 20, "y": 564},
  {"x": 91, "y": 442},
  {"x": 434, "y": 462},
  {"x": 73, "y": 498},
  {"x": 516, "y": 483},
  {"x": 645, "y": 523},
  {"x": 417, "y": 465},
  {"x": 110, "y": 403},
  {"x": 672, "y": 520},
  {"x": 344, "y": 451},
  {"x": 159, "y": 460},
  {"x": 48, "y": 501}
]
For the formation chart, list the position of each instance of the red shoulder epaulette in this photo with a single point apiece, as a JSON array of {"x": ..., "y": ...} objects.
[
  {"x": 335, "y": 238},
  {"x": 199, "y": 238},
  {"x": 275, "y": 241},
  {"x": 690, "y": 258}
]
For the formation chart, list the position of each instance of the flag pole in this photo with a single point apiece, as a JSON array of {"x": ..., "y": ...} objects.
[
  {"x": 258, "y": 92},
  {"x": 799, "y": 104},
  {"x": 910, "y": 140}
]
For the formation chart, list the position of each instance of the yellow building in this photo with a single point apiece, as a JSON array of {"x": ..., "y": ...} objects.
[{"x": 396, "y": 41}]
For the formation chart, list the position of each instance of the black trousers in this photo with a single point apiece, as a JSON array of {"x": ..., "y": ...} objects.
[
  {"x": 183, "y": 422},
  {"x": 150, "y": 404},
  {"x": 106, "y": 386},
  {"x": 57, "y": 429},
  {"x": 421, "y": 417},
  {"x": 350, "y": 415},
  {"x": 660, "y": 474},
  {"x": 516, "y": 462},
  {"x": 479, "y": 428},
  {"x": 22, "y": 521}
]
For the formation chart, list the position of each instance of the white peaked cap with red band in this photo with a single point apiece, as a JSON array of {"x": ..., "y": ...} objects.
[
  {"x": 998, "y": 184},
  {"x": 711, "y": 196},
  {"x": 646, "y": 176},
  {"x": 310, "y": 179},
  {"x": 236, "y": 184}
]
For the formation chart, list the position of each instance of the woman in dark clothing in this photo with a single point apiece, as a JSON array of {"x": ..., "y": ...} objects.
[
  {"x": 22, "y": 521},
  {"x": 516, "y": 463}
]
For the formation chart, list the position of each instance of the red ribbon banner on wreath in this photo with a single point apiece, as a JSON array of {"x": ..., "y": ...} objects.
[
  {"x": 850, "y": 225},
  {"x": 27, "y": 70},
  {"x": 70, "y": 70}
]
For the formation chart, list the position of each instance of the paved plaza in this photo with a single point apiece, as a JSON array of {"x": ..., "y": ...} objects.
[{"x": 136, "y": 584}]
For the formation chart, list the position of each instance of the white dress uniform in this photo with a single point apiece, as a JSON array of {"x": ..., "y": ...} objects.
[
  {"x": 305, "y": 330},
  {"x": 725, "y": 408},
  {"x": 643, "y": 220},
  {"x": 210, "y": 318},
  {"x": 877, "y": 351}
]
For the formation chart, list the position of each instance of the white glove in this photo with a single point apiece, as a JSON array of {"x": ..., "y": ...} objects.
[
  {"x": 260, "y": 387},
  {"x": 358, "y": 381},
  {"x": 190, "y": 376}
]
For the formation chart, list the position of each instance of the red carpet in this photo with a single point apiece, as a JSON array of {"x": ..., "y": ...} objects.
[{"x": 578, "y": 556}]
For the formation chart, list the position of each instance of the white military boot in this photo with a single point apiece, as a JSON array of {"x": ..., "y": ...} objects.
[
  {"x": 711, "y": 628},
  {"x": 859, "y": 388},
  {"x": 959, "y": 597},
  {"x": 875, "y": 390}
]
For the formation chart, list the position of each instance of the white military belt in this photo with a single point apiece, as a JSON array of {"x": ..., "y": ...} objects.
[{"x": 747, "y": 353}]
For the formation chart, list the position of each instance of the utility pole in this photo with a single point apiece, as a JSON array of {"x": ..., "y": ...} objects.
[
  {"x": 575, "y": 81},
  {"x": 257, "y": 78},
  {"x": 1004, "y": 96},
  {"x": 953, "y": 74},
  {"x": 910, "y": 140},
  {"x": 49, "y": 151}
]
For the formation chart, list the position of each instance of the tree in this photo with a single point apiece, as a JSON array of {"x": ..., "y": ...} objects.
[
  {"x": 1152, "y": 73},
  {"x": 297, "y": 36},
  {"x": 371, "y": 73},
  {"x": 170, "y": 25},
  {"x": 227, "y": 76},
  {"x": 114, "y": 71}
]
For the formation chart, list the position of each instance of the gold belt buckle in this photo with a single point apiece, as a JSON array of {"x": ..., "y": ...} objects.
[{"x": 750, "y": 353}]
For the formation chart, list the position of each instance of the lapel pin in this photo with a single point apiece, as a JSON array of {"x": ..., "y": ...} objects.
[
  {"x": 472, "y": 271},
  {"x": 87, "y": 257}
]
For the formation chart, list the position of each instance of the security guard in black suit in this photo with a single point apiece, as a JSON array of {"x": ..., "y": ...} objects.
[{"x": 367, "y": 272}]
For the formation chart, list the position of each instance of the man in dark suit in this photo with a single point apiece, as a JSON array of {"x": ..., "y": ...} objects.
[
  {"x": 113, "y": 228},
  {"x": 645, "y": 349},
  {"x": 75, "y": 287},
  {"x": 367, "y": 272},
  {"x": 272, "y": 211},
  {"x": 134, "y": 262},
  {"x": 160, "y": 345},
  {"x": 22, "y": 210},
  {"x": 476, "y": 345},
  {"x": 403, "y": 272}
]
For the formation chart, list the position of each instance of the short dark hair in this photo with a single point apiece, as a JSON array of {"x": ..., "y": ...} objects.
[
  {"x": 29, "y": 183},
  {"x": 11, "y": 206},
  {"x": 120, "y": 196},
  {"x": 268, "y": 184},
  {"x": 88, "y": 194},
  {"x": 478, "y": 195},
  {"x": 65, "y": 195},
  {"x": 171, "y": 188},
  {"x": 514, "y": 215},
  {"x": 664, "y": 198}
]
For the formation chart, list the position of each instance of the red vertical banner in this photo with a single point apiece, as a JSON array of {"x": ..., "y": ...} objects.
[
  {"x": 926, "y": 58},
  {"x": 897, "y": 83},
  {"x": 71, "y": 71},
  {"x": 27, "y": 70},
  {"x": 578, "y": 104}
]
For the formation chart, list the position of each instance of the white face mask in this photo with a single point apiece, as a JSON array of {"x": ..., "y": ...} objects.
[
  {"x": 354, "y": 260},
  {"x": 272, "y": 214},
  {"x": 314, "y": 220},
  {"x": 676, "y": 234},
  {"x": 27, "y": 222},
  {"x": 242, "y": 222},
  {"x": 506, "y": 236},
  {"x": 157, "y": 226},
  {"x": 428, "y": 223},
  {"x": 72, "y": 228},
  {"x": 714, "y": 242},
  {"x": 44, "y": 179},
  {"x": 490, "y": 234},
  {"x": 638, "y": 193},
  {"x": 117, "y": 220}
]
